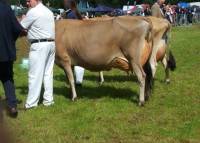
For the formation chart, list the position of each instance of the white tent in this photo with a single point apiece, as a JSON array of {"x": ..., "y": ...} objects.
[
  {"x": 195, "y": 3},
  {"x": 128, "y": 8}
]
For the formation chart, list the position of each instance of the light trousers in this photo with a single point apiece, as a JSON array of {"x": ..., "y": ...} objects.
[
  {"x": 79, "y": 72},
  {"x": 41, "y": 61}
]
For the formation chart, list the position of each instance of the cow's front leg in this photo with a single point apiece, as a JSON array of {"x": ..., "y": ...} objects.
[{"x": 69, "y": 74}]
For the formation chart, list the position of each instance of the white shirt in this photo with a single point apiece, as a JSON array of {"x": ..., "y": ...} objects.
[{"x": 39, "y": 22}]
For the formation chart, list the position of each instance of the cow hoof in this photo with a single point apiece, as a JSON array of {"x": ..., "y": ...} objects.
[
  {"x": 74, "y": 99},
  {"x": 167, "y": 81},
  {"x": 141, "y": 103},
  {"x": 100, "y": 83}
]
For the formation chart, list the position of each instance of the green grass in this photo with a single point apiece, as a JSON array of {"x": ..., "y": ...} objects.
[{"x": 110, "y": 113}]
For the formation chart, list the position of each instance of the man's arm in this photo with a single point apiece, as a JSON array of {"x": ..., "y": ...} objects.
[{"x": 29, "y": 19}]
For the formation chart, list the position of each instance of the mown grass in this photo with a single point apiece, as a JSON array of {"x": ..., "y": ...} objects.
[{"x": 110, "y": 113}]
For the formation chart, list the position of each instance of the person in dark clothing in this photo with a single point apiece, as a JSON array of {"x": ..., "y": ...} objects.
[
  {"x": 72, "y": 11},
  {"x": 147, "y": 11},
  {"x": 10, "y": 29}
]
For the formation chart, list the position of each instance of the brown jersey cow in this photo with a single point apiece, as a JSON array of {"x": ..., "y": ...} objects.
[
  {"x": 160, "y": 50},
  {"x": 98, "y": 45}
]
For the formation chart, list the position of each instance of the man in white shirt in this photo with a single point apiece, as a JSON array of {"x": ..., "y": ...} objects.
[{"x": 40, "y": 25}]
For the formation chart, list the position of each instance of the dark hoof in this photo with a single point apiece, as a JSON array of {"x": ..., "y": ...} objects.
[
  {"x": 101, "y": 83},
  {"x": 74, "y": 99},
  {"x": 167, "y": 81}
]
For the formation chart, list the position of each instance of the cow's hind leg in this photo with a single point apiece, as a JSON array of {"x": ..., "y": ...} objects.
[
  {"x": 141, "y": 79},
  {"x": 164, "y": 63},
  {"x": 153, "y": 64},
  {"x": 69, "y": 74}
]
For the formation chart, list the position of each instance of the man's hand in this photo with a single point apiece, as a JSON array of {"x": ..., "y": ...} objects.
[
  {"x": 23, "y": 33},
  {"x": 21, "y": 17}
]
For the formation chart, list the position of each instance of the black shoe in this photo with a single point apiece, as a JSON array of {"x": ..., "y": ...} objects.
[{"x": 12, "y": 112}]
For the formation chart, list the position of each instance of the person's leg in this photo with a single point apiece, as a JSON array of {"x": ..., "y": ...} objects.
[
  {"x": 35, "y": 75},
  {"x": 79, "y": 72},
  {"x": 8, "y": 83},
  {"x": 48, "y": 75},
  {"x": 6, "y": 76}
]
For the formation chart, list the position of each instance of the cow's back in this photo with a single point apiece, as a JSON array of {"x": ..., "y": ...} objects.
[{"x": 88, "y": 43}]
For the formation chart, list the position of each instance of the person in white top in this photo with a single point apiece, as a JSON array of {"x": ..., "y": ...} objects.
[{"x": 40, "y": 25}]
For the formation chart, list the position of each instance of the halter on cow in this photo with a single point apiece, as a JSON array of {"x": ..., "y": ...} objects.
[{"x": 97, "y": 46}]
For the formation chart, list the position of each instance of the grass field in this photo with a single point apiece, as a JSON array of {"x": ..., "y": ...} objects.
[{"x": 110, "y": 113}]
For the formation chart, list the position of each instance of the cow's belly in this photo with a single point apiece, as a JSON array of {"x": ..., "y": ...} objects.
[
  {"x": 161, "y": 50},
  {"x": 95, "y": 59},
  {"x": 145, "y": 53}
]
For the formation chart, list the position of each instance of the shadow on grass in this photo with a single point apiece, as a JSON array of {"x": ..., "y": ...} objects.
[
  {"x": 97, "y": 92},
  {"x": 86, "y": 92},
  {"x": 107, "y": 78},
  {"x": 92, "y": 92},
  {"x": 111, "y": 78}
]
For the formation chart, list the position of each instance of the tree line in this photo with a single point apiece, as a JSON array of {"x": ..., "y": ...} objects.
[{"x": 112, "y": 3}]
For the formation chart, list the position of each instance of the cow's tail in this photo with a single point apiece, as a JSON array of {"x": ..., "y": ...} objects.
[
  {"x": 148, "y": 80},
  {"x": 171, "y": 62},
  {"x": 147, "y": 67}
]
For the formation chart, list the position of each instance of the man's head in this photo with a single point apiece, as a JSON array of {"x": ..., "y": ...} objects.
[
  {"x": 70, "y": 4},
  {"x": 160, "y": 2},
  {"x": 32, "y": 3}
]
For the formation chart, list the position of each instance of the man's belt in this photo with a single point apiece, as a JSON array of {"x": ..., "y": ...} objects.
[{"x": 41, "y": 40}]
